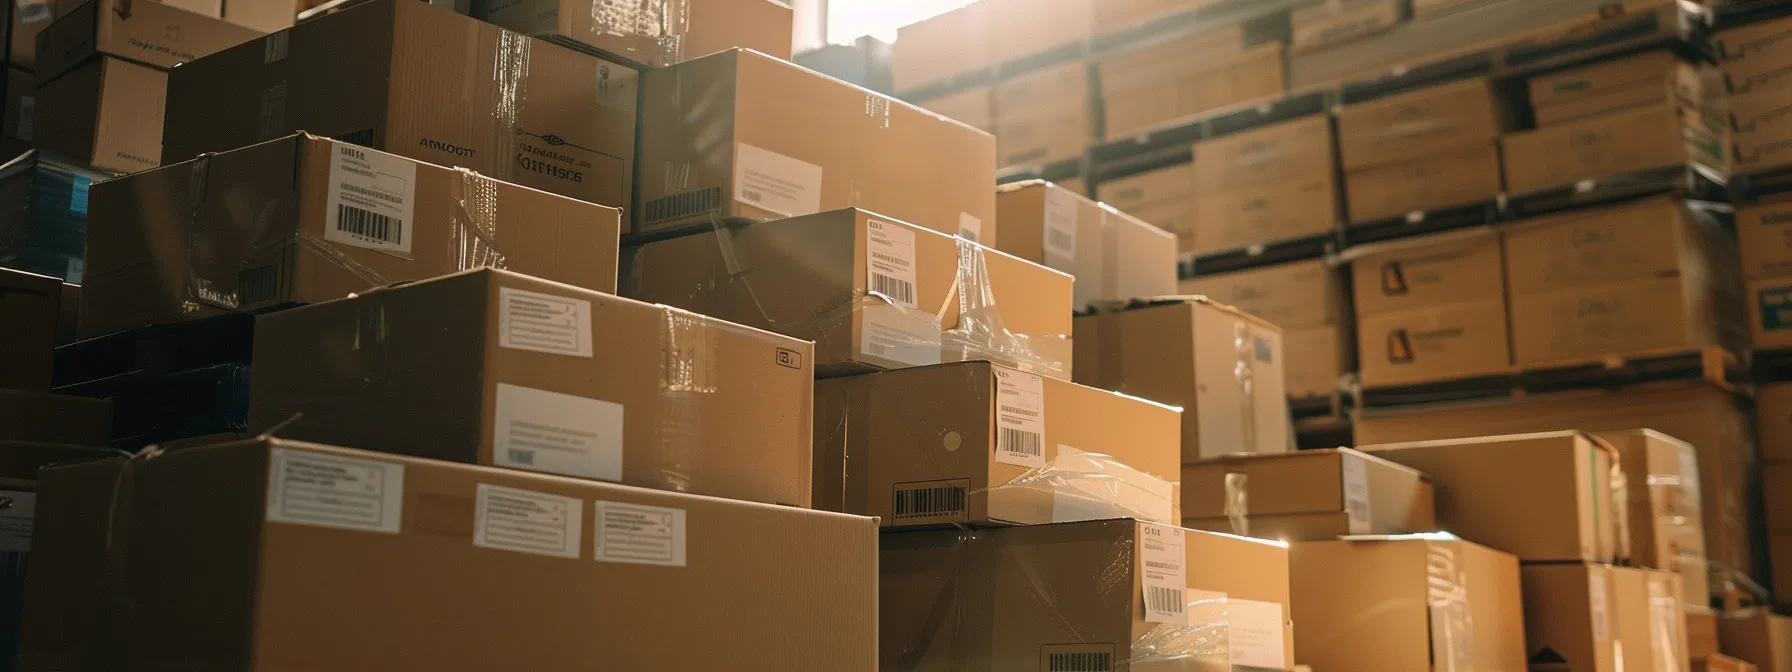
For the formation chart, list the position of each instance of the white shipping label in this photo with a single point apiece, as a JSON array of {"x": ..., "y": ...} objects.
[
  {"x": 970, "y": 228},
  {"x": 306, "y": 488},
  {"x": 890, "y": 262},
  {"x": 1256, "y": 634},
  {"x": 1020, "y": 418},
  {"x": 1163, "y": 574},
  {"x": 907, "y": 337},
  {"x": 1600, "y": 607},
  {"x": 529, "y": 522},
  {"x": 640, "y": 535},
  {"x": 17, "y": 511},
  {"x": 769, "y": 180},
  {"x": 557, "y": 325},
  {"x": 1060, "y": 228},
  {"x": 557, "y": 433},
  {"x": 1356, "y": 495},
  {"x": 372, "y": 196}
]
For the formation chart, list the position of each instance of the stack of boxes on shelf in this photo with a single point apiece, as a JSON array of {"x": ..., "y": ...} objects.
[
  {"x": 1430, "y": 149},
  {"x": 1266, "y": 185},
  {"x": 1309, "y": 301},
  {"x": 1755, "y": 61}
]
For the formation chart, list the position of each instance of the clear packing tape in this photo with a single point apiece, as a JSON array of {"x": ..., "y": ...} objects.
[
  {"x": 1092, "y": 486},
  {"x": 657, "y": 26},
  {"x": 1446, "y": 595}
]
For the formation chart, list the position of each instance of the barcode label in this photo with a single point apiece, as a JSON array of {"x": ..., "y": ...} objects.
[
  {"x": 898, "y": 291},
  {"x": 1162, "y": 576},
  {"x": 1598, "y": 597},
  {"x": 1061, "y": 215},
  {"x": 1079, "y": 662},
  {"x": 929, "y": 502},
  {"x": 372, "y": 197},
  {"x": 1165, "y": 600},
  {"x": 1356, "y": 494},
  {"x": 890, "y": 261},
  {"x": 638, "y": 534},
  {"x": 550, "y": 323},
  {"x": 1020, "y": 418},
  {"x": 556, "y": 433},
  {"x": 1255, "y": 634}
]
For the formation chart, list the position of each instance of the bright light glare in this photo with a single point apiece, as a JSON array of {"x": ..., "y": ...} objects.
[{"x": 850, "y": 19}]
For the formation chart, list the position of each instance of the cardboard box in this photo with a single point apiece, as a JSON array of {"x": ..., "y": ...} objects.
[
  {"x": 156, "y": 34},
  {"x": 1220, "y": 365},
  {"x": 655, "y": 33},
  {"x": 382, "y": 75},
  {"x": 30, "y": 307},
  {"x": 1428, "y": 271},
  {"x": 40, "y": 417},
  {"x": 873, "y": 293},
  {"x": 1757, "y": 636},
  {"x": 1759, "y": 131},
  {"x": 1541, "y": 497},
  {"x": 1701, "y": 631},
  {"x": 1650, "y": 77},
  {"x": 950, "y": 44},
  {"x": 1112, "y": 255},
  {"x": 1021, "y": 598},
  {"x": 1770, "y": 313},
  {"x": 1022, "y": 28},
  {"x": 1460, "y": 176},
  {"x": 1773, "y": 418},
  {"x": 1764, "y": 239},
  {"x": 1716, "y": 662},
  {"x": 1651, "y": 618},
  {"x": 1662, "y": 507},
  {"x": 1635, "y": 240},
  {"x": 44, "y": 200},
  {"x": 495, "y": 368},
  {"x": 1206, "y": 72},
  {"x": 1317, "y": 358},
  {"x": 977, "y": 443},
  {"x": 1570, "y": 617},
  {"x": 1429, "y": 602},
  {"x": 21, "y": 105},
  {"x": 1776, "y": 495},
  {"x": 303, "y": 220},
  {"x": 1043, "y": 116},
  {"x": 1611, "y": 322},
  {"x": 1756, "y": 56},
  {"x": 1307, "y": 495},
  {"x": 1135, "y": 193},
  {"x": 1414, "y": 125},
  {"x": 1627, "y": 141},
  {"x": 1293, "y": 296},
  {"x": 1779, "y": 557},
  {"x": 395, "y": 535},
  {"x": 793, "y": 142},
  {"x": 106, "y": 113},
  {"x": 1336, "y": 22},
  {"x": 974, "y": 107},
  {"x": 267, "y": 16},
  {"x": 1284, "y": 152},
  {"x": 1443, "y": 342},
  {"x": 1264, "y": 213},
  {"x": 23, "y": 26},
  {"x": 1115, "y": 15},
  {"x": 19, "y": 490}
]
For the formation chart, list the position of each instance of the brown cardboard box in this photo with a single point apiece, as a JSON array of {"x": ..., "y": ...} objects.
[
  {"x": 40, "y": 417},
  {"x": 23, "y": 25},
  {"x": 211, "y": 8},
  {"x": 1779, "y": 556},
  {"x": 156, "y": 34},
  {"x": 304, "y": 219},
  {"x": 1716, "y": 662},
  {"x": 974, "y": 107},
  {"x": 1264, "y": 213},
  {"x": 491, "y": 367},
  {"x": 384, "y": 75},
  {"x": 1428, "y": 602},
  {"x": 1651, "y": 618},
  {"x": 1133, "y": 193},
  {"x": 1285, "y": 152},
  {"x": 1701, "y": 631},
  {"x": 1458, "y": 176},
  {"x": 787, "y": 142},
  {"x": 1220, "y": 365},
  {"x": 1022, "y": 28},
  {"x": 1759, "y": 130},
  {"x": 263, "y": 15},
  {"x": 1707, "y": 417},
  {"x": 1606, "y": 323},
  {"x": 1650, "y": 77},
  {"x": 1335, "y": 22},
  {"x": 1043, "y": 116},
  {"x": 1764, "y": 238},
  {"x": 873, "y": 293},
  {"x": 1770, "y": 313},
  {"x": 1541, "y": 497},
  {"x": 1413, "y": 125},
  {"x": 1773, "y": 417},
  {"x": 1570, "y": 618},
  {"x": 976, "y": 443},
  {"x": 1115, "y": 15},
  {"x": 1021, "y": 598},
  {"x": 946, "y": 45},
  {"x": 1292, "y": 296},
  {"x": 1755, "y": 50},
  {"x": 1428, "y": 271},
  {"x": 1662, "y": 510},
  {"x": 1202, "y": 73},
  {"x": 1776, "y": 495},
  {"x": 655, "y": 33},
  {"x": 106, "y": 113},
  {"x": 397, "y": 536},
  {"x": 26, "y": 500},
  {"x": 1630, "y": 140},
  {"x": 1308, "y": 495},
  {"x": 1112, "y": 255},
  {"x": 1316, "y": 359},
  {"x": 1757, "y": 636},
  {"x": 1426, "y": 311},
  {"x": 30, "y": 306},
  {"x": 21, "y": 103},
  {"x": 1650, "y": 238}
]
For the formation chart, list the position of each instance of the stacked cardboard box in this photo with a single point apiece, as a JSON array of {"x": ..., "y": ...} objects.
[
  {"x": 1432, "y": 148},
  {"x": 653, "y": 33},
  {"x": 1431, "y": 309},
  {"x": 1308, "y": 300},
  {"x": 1773, "y": 426},
  {"x": 1185, "y": 77},
  {"x": 1335, "y": 22},
  {"x": 1043, "y": 116},
  {"x": 1265, "y": 185},
  {"x": 1755, "y": 61},
  {"x": 1764, "y": 240},
  {"x": 1111, "y": 255},
  {"x": 1163, "y": 197}
]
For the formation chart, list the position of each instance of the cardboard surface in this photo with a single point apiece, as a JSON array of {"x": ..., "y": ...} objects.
[
  {"x": 1716, "y": 662},
  {"x": 873, "y": 293},
  {"x": 1764, "y": 238},
  {"x": 945, "y": 444},
  {"x": 1662, "y": 511},
  {"x": 1113, "y": 15},
  {"x": 30, "y": 307},
  {"x": 1188, "y": 354},
  {"x": 1651, "y": 77},
  {"x": 1625, "y": 141},
  {"x": 21, "y": 105},
  {"x": 1286, "y": 152},
  {"x": 1023, "y": 28},
  {"x": 41, "y": 417},
  {"x": 1263, "y": 213},
  {"x": 106, "y": 112},
  {"x": 1206, "y": 72},
  {"x": 1779, "y": 556},
  {"x": 1773, "y": 419},
  {"x": 1755, "y": 56},
  {"x": 1613, "y": 321},
  {"x": 1043, "y": 116},
  {"x": 491, "y": 367},
  {"x": 1174, "y": 184},
  {"x": 1292, "y": 296},
  {"x": 1770, "y": 312},
  {"x": 655, "y": 34},
  {"x": 1317, "y": 358},
  {"x": 1111, "y": 255},
  {"x": 1760, "y": 132},
  {"x": 1571, "y": 617},
  {"x": 22, "y": 29},
  {"x": 974, "y": 107},
  {"x": 1308, "y": 495},
  {"x": 270, "y": 227},
  {"x": 1401, "y": 128},
  {"x": 1758, "y": 637},
  {"x": 1336, "y": 22},
  {"x": 263, "y": 15},
  {"x": 1442, "y": 342},
  {"x": 1460, "y": 176},
  {"x": 949, "y": 44},
  {"x": 1426, "y": 272},
  {"x": 157, "y": 34},
  {"x": 1701, "y": 631}
]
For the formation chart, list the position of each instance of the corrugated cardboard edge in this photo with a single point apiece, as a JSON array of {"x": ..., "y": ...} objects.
[
  {"x": 1359, "y": 251},
  {"x": 1241, "y": 458},
  {"x": 1145, "y": 303}
]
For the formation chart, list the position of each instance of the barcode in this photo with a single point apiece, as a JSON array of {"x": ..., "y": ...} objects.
[
  {"x": 928, "y": 502},
  {"x": 1163, "y": 600},
  {"x": 1022, "y": 442},
  {"x": 524, "y": 457},
  {"x": 369, "y": 224},
  {"x": 900, "y": 291},
  {"x": 1059, "y": 239},
  {"x": 1080, "y": 662}
]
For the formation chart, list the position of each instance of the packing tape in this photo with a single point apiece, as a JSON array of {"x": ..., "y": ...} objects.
[
  {"x": 1092, "y": 486},
  {"x": 1237, "y": 505},
  {"x": 662, "y": 22},
  {"x": 1204, "y": 644},
  {"x": 1245, "y": 374},
  {"x": 687, "y": 381},
  {"x": 980, "y": 334},
  {"x": 475, "y": 232},
  {"x": 1664, "y": 613},
  {"x": 1446, "y": 593},
  {"x": 510, "y": 77}
]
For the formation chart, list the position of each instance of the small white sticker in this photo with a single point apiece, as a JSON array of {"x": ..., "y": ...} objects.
[
  {"x": 970, "y": 228},
  {"x": 27, "y": 111},
  {"x": 775, "y": 182},
  {"x": 530, "y": 522},
  {"x": 639, "y": 535},
  {"x": 1356, "y": 495},
  {"x": 890, "y": 262},
  {"x": 1597, "y": 595},
  {"x": 1020, "y": 418},
  {"x": 557, "y": 433},
  {"x": 306, "y": 488},
  {"x": 17, "y": 511},
  {"x": 1256, "y": 634},
  {"x": 1060, "y": 229},
  {"x": 1162, "y": 574},
  {"x": 371, "y": 198},
  {"x": 558, "y": 325},
  {"x": 906, "y": 337}
]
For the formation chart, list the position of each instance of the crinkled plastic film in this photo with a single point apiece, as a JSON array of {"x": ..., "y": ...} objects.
[
  {"x": 1682, "y": 491},
  {"x": 1664, "y": 613},
  {"x": 1446, "y": 594},
  {"x": 475, "y": 233},
  {"x": 1093, "y": 486},
  {"x": 1238, "y": 503},
  {"x": 1204, "y": 644},
  {"x": 1620, "y": 484},
  {"x": 980, "y": 334},
  {"x": 510, "y": 77},
  {"x": 1244, "y": 346},
  {"x": 660, "y": 22},
  {"x": 687, "y": 382}
]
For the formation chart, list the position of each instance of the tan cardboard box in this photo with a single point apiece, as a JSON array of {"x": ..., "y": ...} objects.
[
  {"x": 1770, "y": 313},
  {"x": 1220, "y": 365},
  {"x": 1316, "y": 359},
  {"x": 1284, "y": 152},
  {"x": 1625, "y": 141},
  {"x": 263, "y": 15},
  {"x": 1764, "y": 238},
  {"x": 1608, "y": 322},
  {"x": 873, "y": 293},
  {"x": 30, "y": 307},
  {"x": 1716, "y": 662},
  {"x": 977, "y": 443},
  {"x": 655, "y": 33},
  {"x": 1753, "y": 49},
  {"x": 1570, "y": 617},
  {"x": 1759, "y": 130},
  {"x": 157, "y": 34},
  {"x": 21, "y": 104},
  {"x": 1022, "y": 28},
  {"x": 1648, "y": 78},
  {"x": 1419, "y": 599},
  {"x": 787, "y": 141},
  {"x": 306, "y": 219},
  {"x": 1027, "y": 601},
  {"x": 1043, "y": 116},
  {"x": 950, "y": 44},
  {"x": 1701, "y": 632},
  {"x": 1428, "y": 271},
  {"x": 1113, "y": 256},
  {"x": 1152, "y": 188},
  {"x": 1206, "y": 72},
  {"x": 1650, "y": 238},
  {"x": 1779, "y": 555},
  {"x": 307, "y": 527},
  {"x": 1440, "y": 342},
  {"x": 1773, "y": 418},
  {"x": 1114, "y": 15},
  {"x": 1336, "y": 22},
  {"x": 23, "y": 25},
  {"x": 1662, "y": 509},
  {"x": 1264, "y": 213},
  {"x": 41, "y": 417},
  {"x": 1307, "y": 495},
  {"x": 1651, "y": 618},
  {"x": 1776, "y": 496},
  {"x": 974, "y": 107},
  {"x": 1292, "y": 296},
  {"x": 495, "y": 368},
  {"x": 1453, "y": 177},
  {"x": 106, "y": 113},
  {"x": 1757, "y": 636},
  {"x": 382, "y": 75},
  {"x": 1413, "y": 125},
  {"x": 1541, "y": 497}
]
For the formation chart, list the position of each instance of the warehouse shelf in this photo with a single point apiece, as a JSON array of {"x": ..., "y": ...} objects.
[
  {"x": 1691, "y": 181},
  {"x": 1421, "y": 222},
  {"x": 1772, "y": 366},
  {"x": 1710, "y": 364},
  {"x": 1670, "y": 26},
  {"x": 1421, "y": 76},
  {"x": 1120, "y": 158},
  {"x": 1742, "y": 12},
  {"x": 1753, "y": 186},
  {"x": 1056, "y": 171},
  {"x": 1263, "y": 254},
  {"x": 161, "y": 348}
]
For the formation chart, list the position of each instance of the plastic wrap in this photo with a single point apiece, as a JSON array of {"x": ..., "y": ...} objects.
[
  {"x": 1093, "y": 486},
  {"x": 1238, "y": 503},
  {"x": 687, "y": 383},
  {"x": 656, "y": 27},
  {"x": 1452, "y": 628},
  {"x": 980, "y": 334}
]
